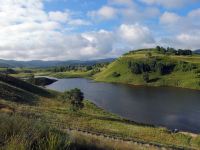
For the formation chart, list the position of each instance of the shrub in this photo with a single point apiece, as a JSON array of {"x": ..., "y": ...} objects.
[
  {"x": 116, "y": 74},
  {"x": 75, "y": 97},
  {"x": 165, "y": 67}
]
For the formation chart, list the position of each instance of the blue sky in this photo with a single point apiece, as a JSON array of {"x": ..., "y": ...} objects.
[{"x": 93, "y": 29}]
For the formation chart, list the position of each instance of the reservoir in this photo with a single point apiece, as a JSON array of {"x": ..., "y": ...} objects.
[{"x": 174, "y": 108}]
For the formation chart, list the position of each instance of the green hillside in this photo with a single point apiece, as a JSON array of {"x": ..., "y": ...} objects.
[
  {"x": 161, "y": 69},
  {"x": 17, "y": 83}
]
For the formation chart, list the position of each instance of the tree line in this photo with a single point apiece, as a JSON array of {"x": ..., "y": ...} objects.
[
  {"x": 171, "y": 50},
  {"x": 65, "y": 68},
  {"x": 161, "y": 66}
]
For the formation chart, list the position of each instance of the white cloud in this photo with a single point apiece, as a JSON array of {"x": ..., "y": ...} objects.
[
  {"x": 125, "y": 10},
  {"x": 185, "y": 40},
  {"x": 104, "y": 13},
  {"x": 121, "y": 2},
  {"x": 79, "y": 22},
  {"x": 170, "y": 3},
  {"x": 59, "y": 16},
  {"x": 135, "y": 35},
  {"x": 183, "y": 31},
  {"x": 194, "y": 13},
  {"x": 28, "y": 32},
  {"x": 169, "y": 18}
]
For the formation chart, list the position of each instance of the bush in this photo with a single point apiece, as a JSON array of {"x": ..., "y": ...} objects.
[
  {"x": 116, "y": 74},
  {"x": 165, "y": 68},
  {"x": 75, "y": 97}
]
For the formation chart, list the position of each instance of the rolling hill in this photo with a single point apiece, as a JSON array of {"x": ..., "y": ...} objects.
[
  {"x": 181, "y": 71},
  {"x": 197, "y": 51},
  {"x": 42, "y": 64}
]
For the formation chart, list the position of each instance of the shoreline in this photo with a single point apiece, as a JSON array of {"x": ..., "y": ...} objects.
[
  {"x": 187, "y": 132},
  {"x": 143, "y": 85}
]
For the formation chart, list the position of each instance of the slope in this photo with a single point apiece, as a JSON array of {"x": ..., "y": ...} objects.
[{"x": 183, "y": 71}]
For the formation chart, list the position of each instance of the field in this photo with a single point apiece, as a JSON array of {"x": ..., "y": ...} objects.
[{"x": 54, "y": 112}]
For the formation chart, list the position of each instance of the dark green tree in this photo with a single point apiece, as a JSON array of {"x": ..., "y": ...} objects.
[
  {"x": 135, "y": 68},
  {"x": 75, "y": 96}
]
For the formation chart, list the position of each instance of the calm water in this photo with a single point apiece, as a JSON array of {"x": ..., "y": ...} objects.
[{"x": 169, "y": 107}]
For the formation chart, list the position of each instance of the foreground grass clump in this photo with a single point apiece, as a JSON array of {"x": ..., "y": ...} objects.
[
  {"x": 17, "y": 132},
  {"x": 162, "y": 70}
]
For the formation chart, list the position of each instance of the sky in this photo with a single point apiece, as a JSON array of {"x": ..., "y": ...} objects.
[{"x": 94, "y": 29}]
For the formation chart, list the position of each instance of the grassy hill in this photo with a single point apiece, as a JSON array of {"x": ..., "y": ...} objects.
[
  {"x": 22, "y": 85},
  {"x": 181, "y": 71}
]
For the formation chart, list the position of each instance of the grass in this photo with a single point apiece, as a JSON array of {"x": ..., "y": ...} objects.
[
  {"x": 17, "y": 132},
  {"x": 57, "y": 114},
  {"x": 3, "y": 69},
  {"x": 189, "y": 79},
  {"x": 22, "y": 75},
  {"x": 14, "y": 82},
  {"x": 70, "y": 74},
  {"x": 11, "y": 93}
]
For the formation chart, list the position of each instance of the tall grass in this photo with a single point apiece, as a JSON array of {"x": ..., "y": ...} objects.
[{"x": 17, "y": 132}]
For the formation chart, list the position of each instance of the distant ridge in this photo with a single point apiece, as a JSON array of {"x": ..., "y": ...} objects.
[
  {"x": 40, "y": 63},
  {"x": 197, "y": 51}
]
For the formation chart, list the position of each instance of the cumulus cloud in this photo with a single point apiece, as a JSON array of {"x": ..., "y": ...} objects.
[
  {"x": 135, "y": 35},
  {"x": 30, "y": 38},
  {"x": 184, "y": 31},
  {"x": 179, "y": 23},
  {"x": 126, "y": 10},
  {"x": 29, "y": 32},
  {"x": 121, "y": 2},
  {"x": 59, "y": 16},
  {"x": 170, "y": 3},
  {"x": 170, "y": 18},
  {"x": 185, "y": 40},
  {"x": 104, "y": 13}
]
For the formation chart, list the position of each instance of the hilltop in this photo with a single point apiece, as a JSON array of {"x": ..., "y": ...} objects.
[{"x": 155, "y": 67}]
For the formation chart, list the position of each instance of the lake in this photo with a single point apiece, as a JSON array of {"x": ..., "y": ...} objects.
[{"x": 174, "y": 108}]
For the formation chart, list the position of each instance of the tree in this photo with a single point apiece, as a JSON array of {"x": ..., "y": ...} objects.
[
  {"x": 135, "y": 68},
  {"x": 146, "y": 77},
  {"x": 89, "y": 68},
  {"x": 158, "y": 48},
  {"x": 75, "y": 96}
]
